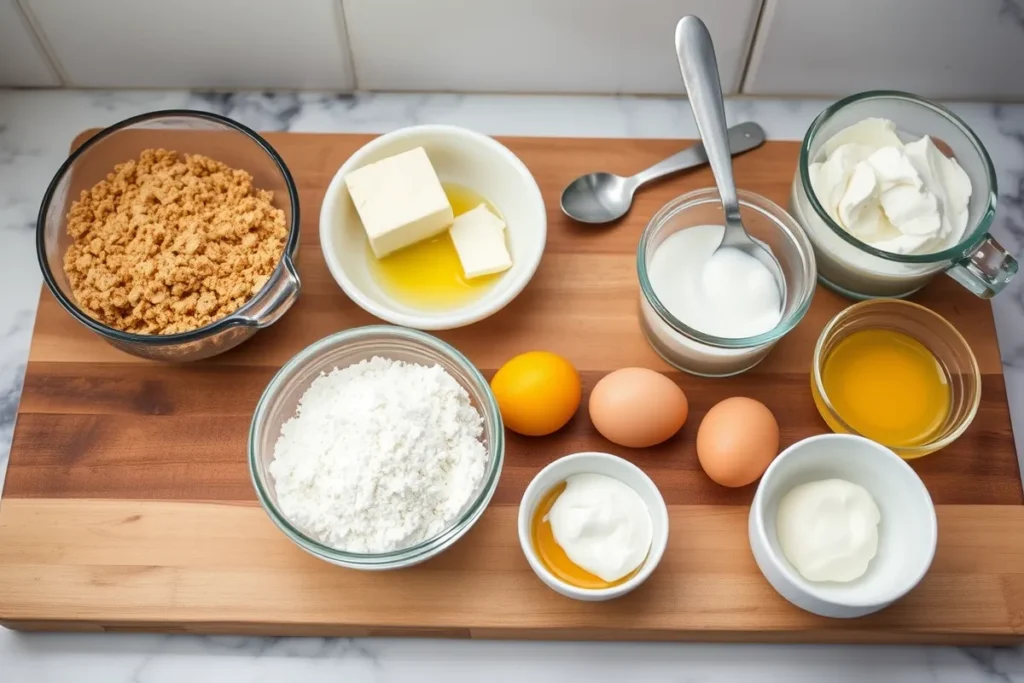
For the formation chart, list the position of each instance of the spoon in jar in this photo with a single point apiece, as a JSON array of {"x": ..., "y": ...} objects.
[
  {"x": 699, "y": 66},
  {"x": 605, "y": 197}
]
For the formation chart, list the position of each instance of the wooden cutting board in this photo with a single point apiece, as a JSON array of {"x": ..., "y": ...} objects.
[{"x": 128, "y": 504}]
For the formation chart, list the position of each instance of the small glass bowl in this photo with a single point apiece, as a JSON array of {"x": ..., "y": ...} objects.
[
  {"x": 702, "y": 354},
  {"x": 948, "y": 346},
  {"x": 186, "y": 132},
  {"x": 281, "y": 397}
]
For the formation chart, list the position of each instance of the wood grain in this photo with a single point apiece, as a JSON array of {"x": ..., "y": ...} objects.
[
  {"x": 207, "y": 567},
  {"x": 128, "y": 504},
  {"x": 148, "y": 431}
]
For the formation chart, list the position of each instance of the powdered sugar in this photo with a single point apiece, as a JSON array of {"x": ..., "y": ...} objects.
[{"x": 380, "y": 456}]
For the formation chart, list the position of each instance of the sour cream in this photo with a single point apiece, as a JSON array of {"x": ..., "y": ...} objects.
[
  {"x": 602, "y": 524},
  {"x": 828, "y": 529}
]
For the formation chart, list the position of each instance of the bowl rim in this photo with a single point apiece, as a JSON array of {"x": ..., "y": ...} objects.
[
  {"x": 500, "y": 295},
  {"x": 809, "y": 588},
  {"x": 424, "y": 549},
  {"x": 818, "y": 384},
  {"x": 533, "y": 494},
  {"x": 235, "y": 318}
]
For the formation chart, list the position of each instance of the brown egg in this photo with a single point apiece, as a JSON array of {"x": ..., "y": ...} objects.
[
  {"x": 737, "y": 440},
  {"x": 637, "y": 407}
]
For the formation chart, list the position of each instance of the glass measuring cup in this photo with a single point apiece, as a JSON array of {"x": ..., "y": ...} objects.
[{"x": 858, "y": 270}]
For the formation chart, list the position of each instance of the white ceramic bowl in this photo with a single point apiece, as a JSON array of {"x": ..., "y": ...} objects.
[
  {"x": 907, "y": 533},
  {"x": 612, "y": 466},
  {"x": 459, "y": 156}
]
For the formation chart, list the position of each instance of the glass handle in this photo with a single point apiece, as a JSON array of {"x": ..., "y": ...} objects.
[
  {"x": 283, "y": 291},
  {"x": 986, "y": 270}
]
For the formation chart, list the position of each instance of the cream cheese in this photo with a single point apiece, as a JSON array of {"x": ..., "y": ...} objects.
[{"x": 900, "y": 198}]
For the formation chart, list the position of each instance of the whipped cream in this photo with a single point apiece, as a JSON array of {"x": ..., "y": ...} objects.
[{"x": 901, "y": 198}]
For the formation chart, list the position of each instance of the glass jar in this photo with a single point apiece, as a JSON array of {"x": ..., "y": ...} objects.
[
  {"x": 856, "y": 269},
  {"x": 702, "y": 354}
]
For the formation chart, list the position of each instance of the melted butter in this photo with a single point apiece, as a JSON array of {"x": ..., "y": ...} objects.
[
  {"x": 888, "y": 386},
  {"x": 428, "y": 274}
]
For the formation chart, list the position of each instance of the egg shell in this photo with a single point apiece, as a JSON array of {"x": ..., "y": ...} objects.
[
  {"x": 637, "y": 407},
  {"x": 737, "y": 440}
]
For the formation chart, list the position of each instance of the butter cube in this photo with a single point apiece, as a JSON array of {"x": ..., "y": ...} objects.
[
  {"x": 400, "y": 201},
  {"x": 479, "y": 238}
]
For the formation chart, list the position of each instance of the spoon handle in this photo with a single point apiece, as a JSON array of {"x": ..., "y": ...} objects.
[
  {"x": 742, "y": 138},
  {"x": 697, "y": 62}
]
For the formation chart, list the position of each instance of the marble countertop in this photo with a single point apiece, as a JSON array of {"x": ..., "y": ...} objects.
[{"x": 35, "y": 130}]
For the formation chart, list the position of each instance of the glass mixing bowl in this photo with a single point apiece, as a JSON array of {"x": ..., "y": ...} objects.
[
  {"x": 856, "y": 269},
  {"x": 281, "y": 398},
  {"x": 950, "y": 349},
  {"x": 702, "y": 354},
  {"x": 187, "y": 132}
]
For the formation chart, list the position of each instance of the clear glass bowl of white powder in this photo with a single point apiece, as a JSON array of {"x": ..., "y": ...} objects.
[
  {"x": 388, "y": 344},
  {"x": 682, "y": 301}
]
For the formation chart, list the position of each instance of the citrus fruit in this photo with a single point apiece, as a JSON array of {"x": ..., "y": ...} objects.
[{"x": 537, "y": 392}]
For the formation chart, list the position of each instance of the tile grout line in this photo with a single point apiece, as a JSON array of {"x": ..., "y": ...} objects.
[
  {"x": 41, "y": 43},
  {"x": 764, "y": 15},
  {"x": 341, "y": 28}
]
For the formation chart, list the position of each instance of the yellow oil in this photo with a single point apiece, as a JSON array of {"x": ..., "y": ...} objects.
[
  {"x": 887, "y": 386},
  {"x": 552, "y": 555},
  {"x": 428, "y": 275}
]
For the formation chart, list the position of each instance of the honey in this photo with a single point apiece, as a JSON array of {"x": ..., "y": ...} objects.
[
  {"x": 554, "y": 557},
  {"x": 428, "y": 275},
  {"x": 887, "y": 386}
]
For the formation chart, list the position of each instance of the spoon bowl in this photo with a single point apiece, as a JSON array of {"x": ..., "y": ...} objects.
[{"x": 598, "y": 197}]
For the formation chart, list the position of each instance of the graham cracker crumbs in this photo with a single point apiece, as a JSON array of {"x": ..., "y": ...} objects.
[{"x": 171, "y": 243}]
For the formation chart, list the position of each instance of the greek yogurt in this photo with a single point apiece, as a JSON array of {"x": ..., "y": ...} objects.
[{"x": 602, "y": 524}]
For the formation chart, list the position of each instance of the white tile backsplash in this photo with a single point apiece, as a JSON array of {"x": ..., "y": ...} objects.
[
  {"x": 971, "y": 49},
  {"x": 944, "y": 49},
  {"x": 600, "y": 46},
  {"x": 295, "y": 44},
  {"x": 22, "y": 61}
]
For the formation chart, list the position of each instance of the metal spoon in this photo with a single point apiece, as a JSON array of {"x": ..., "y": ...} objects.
[
  {"x": 605, "y": 197},
  {"x": 697, "y": 62}
]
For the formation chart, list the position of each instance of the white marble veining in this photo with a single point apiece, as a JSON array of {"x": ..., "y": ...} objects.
[{"x": 35, "y": 130}]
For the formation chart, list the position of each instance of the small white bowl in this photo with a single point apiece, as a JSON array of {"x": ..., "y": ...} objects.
[
  {"x": 596, "y": 463},
  {"x": 907, "y": 533},
  {"x": 459, "y": 156}
]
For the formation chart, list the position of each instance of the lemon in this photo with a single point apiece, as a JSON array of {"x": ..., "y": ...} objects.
[{"x": 537, "y": 392}]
